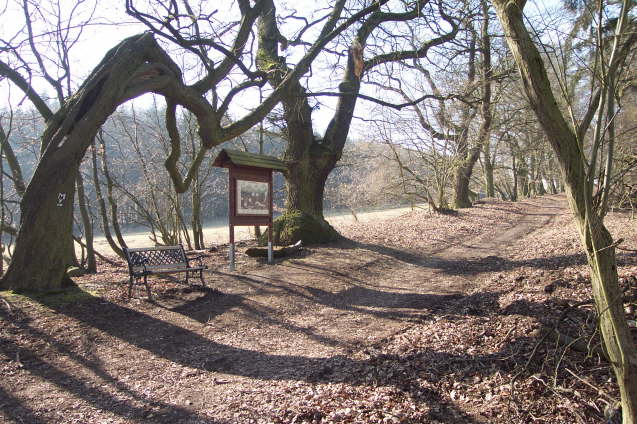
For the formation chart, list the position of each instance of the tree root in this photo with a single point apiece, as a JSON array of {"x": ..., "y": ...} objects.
[{"x": 260, "y": 252}]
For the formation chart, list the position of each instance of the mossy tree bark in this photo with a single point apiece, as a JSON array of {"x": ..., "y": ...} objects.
[
  {"x": 595, "y": 238},
  {"x": 41, "y": 257},
  {"x": 311, "y": 158},
  {"x": 135, "y": 66}
]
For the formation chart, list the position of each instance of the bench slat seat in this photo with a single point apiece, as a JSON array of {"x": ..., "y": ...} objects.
[{"x": 145, "y": 261}]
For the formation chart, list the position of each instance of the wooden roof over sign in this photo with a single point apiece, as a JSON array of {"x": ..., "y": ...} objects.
[{"x": 227, "y": 157}]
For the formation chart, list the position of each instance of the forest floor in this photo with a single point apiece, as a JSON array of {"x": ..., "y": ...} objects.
[{"x": 421, "y": 318}]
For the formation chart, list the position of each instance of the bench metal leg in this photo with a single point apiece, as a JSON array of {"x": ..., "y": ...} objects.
[
  {"x": 150, "y": 297},
  {"x": 130, "y": 286}
]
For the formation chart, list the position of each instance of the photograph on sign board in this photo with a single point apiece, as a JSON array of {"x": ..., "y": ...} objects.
[{"x": 252, "y": 198}]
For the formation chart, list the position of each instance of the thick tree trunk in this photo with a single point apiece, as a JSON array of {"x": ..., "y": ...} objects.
[
  {"x": 44, "y": 241},
  {"x": 47, "y": 210},
  {"x": 310, "y": 158},
  {"x": 304, "y": 218},
  {"x": 461, "y": 187},
  {"x": 308, "y": 168},
  {"x": 306, "y": 184},
  {"x": 309, "y": 165},
  {"x": 462, "y": 179},
  {"x": 595, "y": 238}
]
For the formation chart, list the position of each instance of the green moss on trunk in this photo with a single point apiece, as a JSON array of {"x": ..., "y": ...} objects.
[{"x": 295, "y": 225}]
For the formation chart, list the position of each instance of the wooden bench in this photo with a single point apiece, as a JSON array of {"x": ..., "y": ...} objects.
[{"x": 144, "y": 261}]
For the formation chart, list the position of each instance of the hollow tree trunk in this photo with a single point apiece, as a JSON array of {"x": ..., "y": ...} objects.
[{"x": 44, "y": 240}]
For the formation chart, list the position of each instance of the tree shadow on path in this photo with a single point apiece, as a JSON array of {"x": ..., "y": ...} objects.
[
  {"x": 182, "y": 346},
  {"x": 35, "y": 363}
]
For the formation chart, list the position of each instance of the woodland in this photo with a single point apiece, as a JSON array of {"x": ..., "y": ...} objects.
[{"x": 507, "y": 293}]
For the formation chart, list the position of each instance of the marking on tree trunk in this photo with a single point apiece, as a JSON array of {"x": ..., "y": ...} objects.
[{"x": 61, "y": 199}]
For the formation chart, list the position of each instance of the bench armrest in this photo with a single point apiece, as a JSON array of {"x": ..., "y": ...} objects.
[{"x": 198, "y": 258}]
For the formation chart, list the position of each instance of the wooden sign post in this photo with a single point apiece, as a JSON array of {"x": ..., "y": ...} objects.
[{"x": 249, "y": 192}]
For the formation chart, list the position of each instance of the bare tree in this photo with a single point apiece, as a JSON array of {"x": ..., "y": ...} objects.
[
  {"x": 136, "y": 66},
  {"x": 580, "y": 165},
  {"x": 311, "y": 158}
]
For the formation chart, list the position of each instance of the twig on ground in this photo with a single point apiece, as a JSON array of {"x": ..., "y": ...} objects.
[{"x": 599, "y": 391}]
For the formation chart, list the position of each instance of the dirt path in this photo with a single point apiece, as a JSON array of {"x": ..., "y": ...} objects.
[
  {"x": 205, "y": 357},
  {"x": 336, "y": 300}
]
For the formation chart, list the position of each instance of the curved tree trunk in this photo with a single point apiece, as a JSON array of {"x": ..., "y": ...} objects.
[
  {"x": 595, "y": 238},
  {"x": 44, "y": 240},
  {"x": 135, "y": 66}
]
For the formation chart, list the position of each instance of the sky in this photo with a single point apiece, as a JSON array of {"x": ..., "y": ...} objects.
[
  {"x": 95, "y": 41},
  {"x": 98, "y": 38}
]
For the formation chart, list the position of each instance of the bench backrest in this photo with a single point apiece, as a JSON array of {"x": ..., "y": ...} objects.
[{"x": 160, "y": 257}]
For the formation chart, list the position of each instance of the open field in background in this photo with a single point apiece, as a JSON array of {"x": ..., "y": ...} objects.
[{"x": 218, "y": 233}]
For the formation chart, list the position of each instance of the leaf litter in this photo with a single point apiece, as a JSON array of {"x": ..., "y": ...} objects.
[{"x": 407, "y": 321}]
